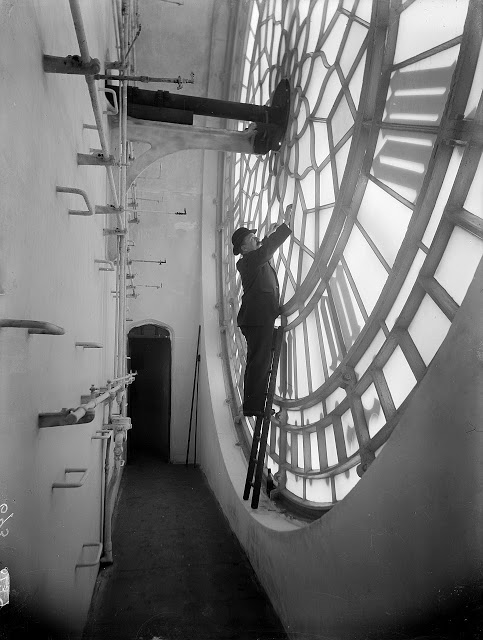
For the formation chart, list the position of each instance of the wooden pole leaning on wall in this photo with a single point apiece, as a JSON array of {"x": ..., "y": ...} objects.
[{"x": 194, "y": 399}]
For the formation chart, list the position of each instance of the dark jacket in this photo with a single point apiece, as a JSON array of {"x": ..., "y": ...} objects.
[{"x": 260, "y": 301}]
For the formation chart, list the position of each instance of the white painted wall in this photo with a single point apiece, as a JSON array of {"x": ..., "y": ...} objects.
[
  {"x": 47, "y": 272},
  {"x": 175, "y": 40}
]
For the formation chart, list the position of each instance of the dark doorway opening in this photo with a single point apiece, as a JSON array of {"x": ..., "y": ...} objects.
[{"x": 149, "y": 399}]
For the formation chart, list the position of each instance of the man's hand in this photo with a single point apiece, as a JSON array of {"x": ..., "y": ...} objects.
[
  {"x": 272, "y": 228},
  {"x": 287, "y": 216}
]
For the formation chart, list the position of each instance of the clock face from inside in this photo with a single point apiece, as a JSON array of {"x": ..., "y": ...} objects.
[{"x": 384, "y": 188}]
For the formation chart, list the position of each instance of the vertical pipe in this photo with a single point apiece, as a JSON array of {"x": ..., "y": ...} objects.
[{"x": 123, "y": 248}]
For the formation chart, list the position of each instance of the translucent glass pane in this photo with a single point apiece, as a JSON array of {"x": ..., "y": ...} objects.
[
  {"x": 307, "y": 185},
  {"x": 333, "y": 353},
  {"x": 318, "y": 490},
  {"x": 474, "y": 199},
  {"x": 309, "y": 232},
  {"x": 277, "y": 440},
  {"x": 324, "y": 216},
  {"x": 426, "y": 24},
  {"x": 428, "y": 328},
  {"x": 295, "y": 484},
  {"x": 332, "y": 458},
  {"x": 335, "y": 398},
  {"x": 399, "y": 377},
  {"x": 366, "y": 269},
  {"x": 355, "y": 84},
  {"x": 294, "y": 417},
  {"x": 417, "y": 93},
  {"x": 373, "y": 412},
  {"x": 351, "y": 443},
  {"x": 401, "y": 161},
  {"x": 316, "y": 367},
  {"x": 288, "y": 457},
  {"x": 444, "y": 192},
  {"x": 320, "y": 142},
  {"x": 349, "y": 314},
  {"x": 326, "y": 185},
  {"x": 364, "y": 9},
  {"x": 370, "y": 353},
  {"x": 405, "y": 289},
  {"x": 315, "y": 23},
  {"x": 272, "y": 465},
  {"x": 301, "y": 362},
  {"x": 342, "y": 121},
  {"x": 354, "y": 42},
  {"x": 331, "y": 45},
  {"x": 331, "y": 91},
  {"x": 314, "y": 452},
  {"x": 385, "y": 219},
  {"x": 345, "y": 482},
  {"x": 313, "y": 414},
  {"x": 476, "y": 88},
  {"x": 300, "y": 450},
  {"x": 341, "y": 159},
  {"x": 458, "y": 264}
]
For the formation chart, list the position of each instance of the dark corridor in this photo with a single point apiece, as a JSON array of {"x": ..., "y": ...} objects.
[{"x": 149, "y": 397}]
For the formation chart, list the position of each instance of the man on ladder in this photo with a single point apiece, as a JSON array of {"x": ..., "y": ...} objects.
[{"x": 260, "y": 306}]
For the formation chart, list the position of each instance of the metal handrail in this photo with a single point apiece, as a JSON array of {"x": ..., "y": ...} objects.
[
  {"x": 81, "y": 192},
  {"x": 114, "y": 110},
  {"x": 33, "y": 326}
]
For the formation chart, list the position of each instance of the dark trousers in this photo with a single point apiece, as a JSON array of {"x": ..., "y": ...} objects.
[{"x": 259, "y": 352}]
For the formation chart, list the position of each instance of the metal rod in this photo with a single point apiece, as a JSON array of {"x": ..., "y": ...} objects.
[
  {"x": 131, "y": 45},
  {"x": 168, "y": 213},
  {"x": 193, "y": 393},
  {"x": 178, "y": 80}
]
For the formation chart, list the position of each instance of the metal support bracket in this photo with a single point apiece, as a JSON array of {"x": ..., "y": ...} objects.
[
  {"x": 95, "y": 159},
  {"x": 108, "y": 208},
  {"x": 115, "y": 232}
]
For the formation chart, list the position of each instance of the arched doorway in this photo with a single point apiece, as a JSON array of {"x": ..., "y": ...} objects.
[{"x": 149, "y": 401}]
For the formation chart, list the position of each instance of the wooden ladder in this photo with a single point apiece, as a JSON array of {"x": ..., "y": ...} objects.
[{"x": 260, "y": 434}]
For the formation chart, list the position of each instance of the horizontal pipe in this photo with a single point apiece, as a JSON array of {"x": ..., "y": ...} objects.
[{"x": 89, "y": 345}]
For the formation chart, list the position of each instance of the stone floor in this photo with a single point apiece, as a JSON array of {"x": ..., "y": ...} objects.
[{"x": 178, "y": 572}]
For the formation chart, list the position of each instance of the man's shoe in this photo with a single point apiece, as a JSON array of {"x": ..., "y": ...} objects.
[{"x": 255, "y": 414}]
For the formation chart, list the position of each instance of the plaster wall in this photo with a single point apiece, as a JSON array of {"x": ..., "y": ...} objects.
[
  {"x": 175, "y": 40},
  {"x": 47, "y": 272}
]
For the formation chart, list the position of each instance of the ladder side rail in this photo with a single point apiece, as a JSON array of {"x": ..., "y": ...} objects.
[{"x": 267, "y": 417}]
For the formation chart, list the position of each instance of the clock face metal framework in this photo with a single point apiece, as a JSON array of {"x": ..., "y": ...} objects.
[{"x": 382, "y": 163}]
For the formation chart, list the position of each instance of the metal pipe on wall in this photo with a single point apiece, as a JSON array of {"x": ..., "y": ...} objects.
[{"x": 91, "y": 84}]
